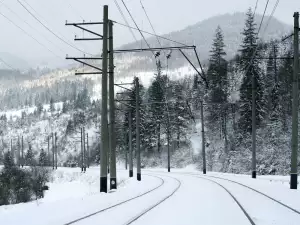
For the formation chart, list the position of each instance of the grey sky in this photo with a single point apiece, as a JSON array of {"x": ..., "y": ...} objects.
[{"x": 166, "y": 16}]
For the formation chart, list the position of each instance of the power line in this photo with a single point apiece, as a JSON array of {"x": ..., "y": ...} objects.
[
  {"x": 150, "y": 23},
  {"x": 124, "y": 18},
  {"x": 146, "y": 32},
  {"x": 271, "y": 16},
  {"x": 32, "y": 27},
  {"x": 74, "y": 10},
  {"x": 8, "y": 65},
  {"x": 29, "y": 34},
  {"x": 47, "y": 28},
  {"x": 255, "y": 7},
  {"x": 137, "y": 26},
  {"x": 262, "y": 19}
]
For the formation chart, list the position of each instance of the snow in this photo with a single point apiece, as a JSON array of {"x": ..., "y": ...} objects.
[{"x": 73, "y": 195}]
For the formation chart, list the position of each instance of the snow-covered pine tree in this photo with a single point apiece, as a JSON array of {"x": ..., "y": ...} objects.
[
  {"x": 250, "y": 69},
  {"x": 29, "y": 157},
  {"x": 43, "y": 158}
]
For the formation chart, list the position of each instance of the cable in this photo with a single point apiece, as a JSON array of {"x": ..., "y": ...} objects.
[
  {"x": 74, "y": 10},
  {"x": 150, "y": 23},
  {"x": 8, "y": 65},
  {"x": 255, "y": 8},
  {"x": 271, "y": 16},
  {"x": 124, "y": 18},
  {"x": 29, "y": 34},
  {"x": 137, "y": 26},
  {"x": 146, "y": 32},
  {"x": 262, "y": 19},
  {"x": 47, "y": 28},
  {"x": 32, "y": 27}
]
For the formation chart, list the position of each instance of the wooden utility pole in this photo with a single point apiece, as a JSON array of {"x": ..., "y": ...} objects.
[
  {"x": 19, "y": 152},
  {"x": 130, "y": 144},
  {"x": 253, "y": 126},
  {"x": 112, "y": 133},
  {"x": 294, "y": 161},
  {"x": 203, "y": 140},
  {"x": 49, "y": 157},
  {"x": 138, "y": 147},
  {"x": 104, "y": 123}
]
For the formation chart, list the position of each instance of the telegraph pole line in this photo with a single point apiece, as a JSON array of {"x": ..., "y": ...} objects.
[
  {"x": 19, "y": 152},
  {"x": 130, "y": 144},
  {"x": 138, "y": 147},
  {"x": 112, "y": 137},
  {"x": 294, "y": 161},
  {"x": 104, "y": 123},
  {"x": 203, "y": 139}
]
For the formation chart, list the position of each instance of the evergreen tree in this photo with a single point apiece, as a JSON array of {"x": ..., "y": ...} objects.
[
  {"x": 249, "y": 69},
  {"x": 65, "y": 107},
  {"x": 43, "y": 158},
  {"x": 52, "y": 108},
  {"x": 29, "y": 157},
  {"x": 39, "y": 108}
]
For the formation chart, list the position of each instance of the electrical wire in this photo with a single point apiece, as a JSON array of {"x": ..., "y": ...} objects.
[
  {"x": 146, "y": 32},
  {"x": 24, "y": 31},
  {"x": 151, "y": 24},
  {"x": 124, "y": 18},
  {"x": 32, "y": 27},
  {"x": 271, "y": 16},
  {"x": 74, "y": 10},
  {"x": 51, "y": 31},
  {"x": 137, "y": 26},
  {"x": 255, "y": 8}
]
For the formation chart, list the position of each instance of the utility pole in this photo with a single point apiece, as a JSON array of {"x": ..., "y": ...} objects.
[
  {"x": 138, "y": 147},
  {"x": 203, "y": 140},
  {"x": 104, "y": 132},
  {"x": 81, "y": 149},
  {"x": 112, "y": 137},
  {"x": 168, "y": 137},
  {"x": 19, "y": 152},
  {"x": 48, "y": 142},
  {"x": 84, "y": 149},
  {"x": 130, "y": 144},
  {"x": 253, "y": 127},
  {"x": 294, "y": 171},
  {"x": 12, "y": 151},
  {"x": 22, "y": 153},
  {"x": 55, "y": 150},
  {"x": 88, "y": 150}
]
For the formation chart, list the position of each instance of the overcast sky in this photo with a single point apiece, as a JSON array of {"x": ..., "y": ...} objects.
[{"x": 166, "y": 16}]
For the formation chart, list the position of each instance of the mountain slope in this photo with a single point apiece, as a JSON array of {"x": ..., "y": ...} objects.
[{"x": 202, "y": 33}]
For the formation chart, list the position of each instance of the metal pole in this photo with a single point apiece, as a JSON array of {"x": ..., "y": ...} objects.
[
  {"x": 104, "y": 131},
  {"x": 19, "y": 152},
  {"x": 22, "y": 153},
  {"x": 55, "y": 150},
  {"x": 112, "y": 137},
  {"x": 294, "y": 171},
  {"x": 130, "y": 144},
  {"x": 48, "y": 141},
  {"x": 138, "y": 147},
  {"x": 84, "y": 150},
  {"x": 81, "y": 149},
  {"x": 168, "y": 137},
  {"x": 203, "y": 140},
  {"x": 253, "y": 127},
  {"x": 88, "y": 150},
  {"x": 126, "y": 159}
]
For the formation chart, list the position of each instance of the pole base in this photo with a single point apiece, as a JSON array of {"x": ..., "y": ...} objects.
[
  {"x": 113, "y": 183},
  {"x": 204, "y": 171},
  {"x": 169, "y": 169},
  {"x": 103, "y": 184},
  {"x": 139, "y": 178},
  {"x": 253, "y": 174},
  {"x": 294, "y": 181},
  {"x": 130, "y": 173}
]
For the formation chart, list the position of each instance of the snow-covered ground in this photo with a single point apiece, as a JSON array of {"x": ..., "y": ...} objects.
[{"x": 74, "y": 195}]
